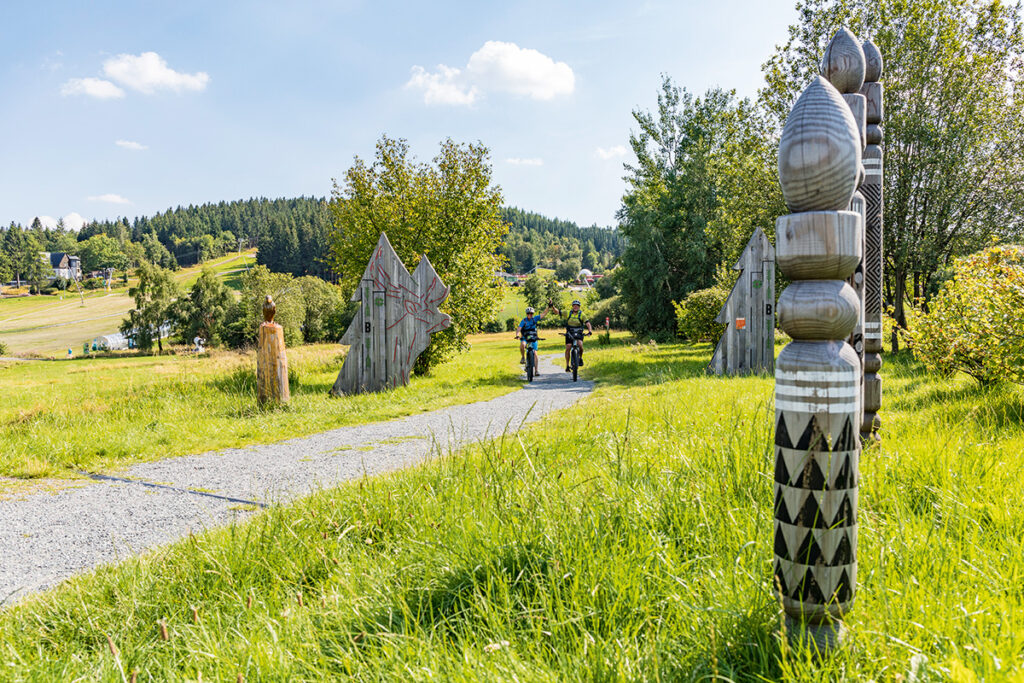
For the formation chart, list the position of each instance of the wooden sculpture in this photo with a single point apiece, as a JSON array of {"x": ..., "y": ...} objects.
[
  {"x": 397, "y": 314},
  {"x": 748, "y": 343},
  {"x": 872, "y": 191},
  {"x": 271, "y": 361},
  {"x": 845, "y": 65},
  {"x": 817, "y": 398}
]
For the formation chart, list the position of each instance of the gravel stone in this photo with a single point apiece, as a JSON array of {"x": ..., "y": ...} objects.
[{"x": 48, "y": 537}]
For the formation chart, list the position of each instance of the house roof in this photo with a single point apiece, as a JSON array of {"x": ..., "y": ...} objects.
[{"x": 57, "y": 259}]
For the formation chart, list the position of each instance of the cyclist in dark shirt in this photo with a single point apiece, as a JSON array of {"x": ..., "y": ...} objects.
[{"x": 528, "y": 328}]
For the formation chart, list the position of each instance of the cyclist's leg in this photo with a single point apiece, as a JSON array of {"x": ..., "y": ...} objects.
[
  {"x": 536, "y": 361},
  {"x": 568, "y": 348},
  {"x": 522, "y": 351},
  {"x": 581, "y": 352}
]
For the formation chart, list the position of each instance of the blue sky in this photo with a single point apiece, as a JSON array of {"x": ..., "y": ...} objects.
[{"x": 127, "y": 108}]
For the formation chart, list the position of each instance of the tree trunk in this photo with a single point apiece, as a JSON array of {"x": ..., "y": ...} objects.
[{"x": 899, "y": 293}]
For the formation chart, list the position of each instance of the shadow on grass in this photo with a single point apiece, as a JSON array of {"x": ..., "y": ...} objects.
[{"x": 447, "y": 605}]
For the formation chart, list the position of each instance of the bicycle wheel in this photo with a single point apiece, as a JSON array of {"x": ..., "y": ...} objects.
[
  {"x": 529, "y": 365},
  {"x": 575, "y": 362}
]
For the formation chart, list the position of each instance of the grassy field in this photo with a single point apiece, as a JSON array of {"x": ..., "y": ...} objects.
[
  {"x": 626, "y": 538},
  {"x": 101, "y": 413},
  {"x": 46, "y": 325}
]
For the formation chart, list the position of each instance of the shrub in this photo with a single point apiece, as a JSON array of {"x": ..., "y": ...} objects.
[
  {"x": 3, "y": 349},
  {"x": 93, "y": 283},
  {"x": 510, "y": 324},
  {"x": 48, "y": 291},
  {"x": 695, "y": 314},
  {"x": 613, "y": 308},
  {"x": 973, "y": 324},
  {"x": 492, "y": 326}
]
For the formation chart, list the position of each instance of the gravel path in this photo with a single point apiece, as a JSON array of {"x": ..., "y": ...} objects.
[{"x": 47, "y": 537}]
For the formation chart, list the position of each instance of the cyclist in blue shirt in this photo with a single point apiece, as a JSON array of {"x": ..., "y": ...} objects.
[{"x": 528, "y": 329}]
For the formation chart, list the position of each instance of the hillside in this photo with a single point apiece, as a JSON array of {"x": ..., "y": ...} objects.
[{"x": 292, "y": 236}]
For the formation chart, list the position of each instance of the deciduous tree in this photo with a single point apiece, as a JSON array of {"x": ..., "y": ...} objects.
[
  {"x": 954, "y": 123},
  {"x": 447, "y": 209},
  {"x": 154, "y": 296}
]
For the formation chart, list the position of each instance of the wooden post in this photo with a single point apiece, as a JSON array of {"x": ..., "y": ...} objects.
[
  {"x": 873, "y": 234},
  {"x": 845, "y": 65},
  {"x": 817, "y": 397},
  {"x": 271, "y": 361},
  {"x": 397, "y": 314},
  {"x": 748, "y": 343}
]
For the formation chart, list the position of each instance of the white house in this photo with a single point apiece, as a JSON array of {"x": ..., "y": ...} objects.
[{"x": 63, "y": 265}]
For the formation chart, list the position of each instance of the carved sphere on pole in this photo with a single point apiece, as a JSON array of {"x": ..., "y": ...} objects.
[
  {"x": 873, "y": 61},
  {"x": 819, "y": 153},
  {"x": 844, "y": 63}
]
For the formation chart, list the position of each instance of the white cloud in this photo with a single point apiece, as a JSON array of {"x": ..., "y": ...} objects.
[
  {"x": 93, "y": 87},
  {"x": 495, "y": 67},
  {"x": 109, "y": 198},
  {"x": 129, "y": 144},
  {"x": 442, "y": 86},
  {"x": 148, "y": 73},
  {"x": 610, "y": 152},
  {"x": 516, "y": 161},
  {"x": 47, "y": 222},
  {"x": 74, "y": 221},
  {"x": 520, "y": 71}
]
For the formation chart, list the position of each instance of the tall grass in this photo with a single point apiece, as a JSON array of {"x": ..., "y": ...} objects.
[
  {"x": 627, "y": 538},
  {"x": 102, "y": 413}
]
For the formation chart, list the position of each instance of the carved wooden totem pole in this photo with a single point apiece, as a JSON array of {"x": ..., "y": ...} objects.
[
  {"x": 271, "y": 361},
  {"x": 873, "y": 257},
  {"x": 817, "y": 376},
  {"x": 748, "y": 343},
  {"x": 843, "y": 64},
  {"x": 396, "y": 316}
]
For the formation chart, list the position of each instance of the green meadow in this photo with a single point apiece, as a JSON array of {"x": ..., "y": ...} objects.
[
  {"x": 93, "y": 414},
  {"x": 625, "y": 538}
]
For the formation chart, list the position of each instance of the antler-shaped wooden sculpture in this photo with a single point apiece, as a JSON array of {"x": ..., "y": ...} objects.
[{"x": 392, "y": 327}]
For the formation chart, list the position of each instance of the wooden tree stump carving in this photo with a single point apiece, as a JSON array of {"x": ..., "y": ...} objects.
[
  {"x": 817, "y": 376},
  {"x": 748, "y": 343},
  {"x": 397, "y": 314},
  {"x": 271, "y": 361}
]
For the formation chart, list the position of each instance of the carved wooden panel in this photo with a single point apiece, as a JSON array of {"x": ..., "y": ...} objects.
[{"x": 397, "y": 314}]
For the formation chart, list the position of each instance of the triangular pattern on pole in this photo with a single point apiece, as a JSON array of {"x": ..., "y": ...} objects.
[
  {"x": 397, "y": 314},
  {"x": 748, "y": 343}
]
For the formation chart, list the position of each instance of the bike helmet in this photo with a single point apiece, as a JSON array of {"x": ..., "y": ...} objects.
[
  {"x": 576, "y": 302},
  {"x": 529, "y": 310}
]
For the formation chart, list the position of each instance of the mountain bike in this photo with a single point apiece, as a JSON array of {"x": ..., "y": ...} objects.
[
  {"x": 575, "y": 337},
  {"x": 531, "y": 339}
]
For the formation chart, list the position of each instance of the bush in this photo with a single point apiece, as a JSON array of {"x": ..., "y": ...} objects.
[
  {"x": 613, "y": 308},
  {"x": 973, "y": 324},
  {"x": 492, "y": 326},
  {"x": 4, "y": 350},
  {"x": 93, "y": 283},
  {"x": 48, "y": 290},
  {"x": 695, "y": 314},
  {"x": 510, "y": 324}
]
